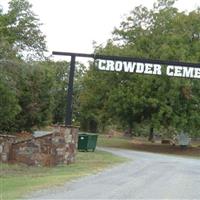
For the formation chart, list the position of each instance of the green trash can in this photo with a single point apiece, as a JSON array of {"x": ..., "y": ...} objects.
[{"x": 87, "y": 141}]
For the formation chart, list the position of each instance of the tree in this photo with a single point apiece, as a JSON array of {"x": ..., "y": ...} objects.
[
  {"x": 25, "y": 86},
  {"x": 9, "y": 107},
  {"x": 20, "y": 29},
  {"x": 35, "y": 93},
  {"x": 60, "y": 71},
  {"x": 91, "y": 100},
  {"x": 160, "y": 33}
]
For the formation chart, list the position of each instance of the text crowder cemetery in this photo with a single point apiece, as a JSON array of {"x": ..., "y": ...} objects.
[{"x": 148, "y": 68}]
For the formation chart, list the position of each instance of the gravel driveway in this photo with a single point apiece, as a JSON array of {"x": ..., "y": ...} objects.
[{"x": 146, "y": 176}]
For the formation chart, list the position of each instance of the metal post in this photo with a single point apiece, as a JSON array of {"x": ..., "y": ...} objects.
[{"x": 68, "y": 119}]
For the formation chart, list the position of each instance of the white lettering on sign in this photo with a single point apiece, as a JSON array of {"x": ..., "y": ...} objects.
[
  {"x": 197, "y": 73},
  {"x": 188, "y": 72},
  {"x": 148, "y": 68},
  {"x": 129, "y": 66},
  {"x": 102, "y": 64},
  {"x": 110, "y": 65},
  {"x": 157, "y": 69},
  {"x": 140, "y": 68},
  {"x": 169, "y": 71},
  {"x": 118, "y": 66},
  {"x": 178, "y": 71}
]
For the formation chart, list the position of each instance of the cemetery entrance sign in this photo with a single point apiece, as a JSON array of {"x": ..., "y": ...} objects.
[
  {"x": 148, "y": 68},
  {"x": 130, "y": 65}
]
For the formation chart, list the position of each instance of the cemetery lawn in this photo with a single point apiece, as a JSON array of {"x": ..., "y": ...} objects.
[
  {"x": 141, "y": 144},
  {"x": 18, "y": 180}
]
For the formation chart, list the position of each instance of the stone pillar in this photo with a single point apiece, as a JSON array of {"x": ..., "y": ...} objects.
[
  {"x": 66, "y": 148},
  {"x": 5, "y": 147}
]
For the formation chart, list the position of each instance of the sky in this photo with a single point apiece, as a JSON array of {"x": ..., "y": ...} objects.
[{"x": 73, "y": 25}]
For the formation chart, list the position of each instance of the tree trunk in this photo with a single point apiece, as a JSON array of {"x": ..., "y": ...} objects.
[
  {"x": 151, "y": 135},
  {"x": 128, "y": 132}
]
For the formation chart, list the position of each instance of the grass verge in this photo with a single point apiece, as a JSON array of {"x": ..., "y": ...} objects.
[
  {"x": 116, "y": 142},
  {"x": 18, "y": 180},
  {"x": 133, "y": 144}
]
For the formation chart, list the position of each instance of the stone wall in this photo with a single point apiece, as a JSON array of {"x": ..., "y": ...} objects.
[
  {"x": 5, "y": 146},
  {"x": 58, "y": 147}
]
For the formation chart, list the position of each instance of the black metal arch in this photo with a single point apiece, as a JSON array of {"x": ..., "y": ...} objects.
[{"x": 69, "y": 109}]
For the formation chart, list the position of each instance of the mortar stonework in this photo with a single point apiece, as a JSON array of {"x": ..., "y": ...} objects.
[{"x": 57, "y": 147}]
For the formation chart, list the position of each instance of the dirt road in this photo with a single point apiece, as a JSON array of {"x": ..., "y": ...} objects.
[{"x": 146, "y": 176}]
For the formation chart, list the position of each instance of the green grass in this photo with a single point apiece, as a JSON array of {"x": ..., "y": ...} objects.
[
  {"x": 18, "y": 180},
  {"x": 117, "y": 142}
]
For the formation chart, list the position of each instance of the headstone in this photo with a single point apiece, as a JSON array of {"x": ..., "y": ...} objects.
[{"x": 183, "y": 139}]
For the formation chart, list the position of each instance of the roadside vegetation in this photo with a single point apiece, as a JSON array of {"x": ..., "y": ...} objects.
[{"x": 18, "y": 180}]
